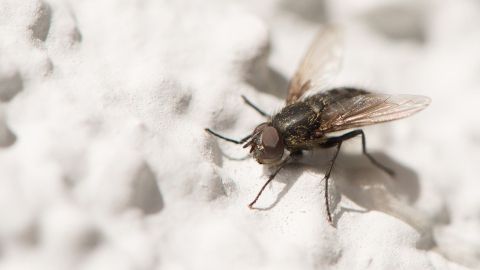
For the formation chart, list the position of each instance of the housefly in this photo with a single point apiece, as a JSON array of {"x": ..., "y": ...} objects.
[{"x": 307, "y": 121}]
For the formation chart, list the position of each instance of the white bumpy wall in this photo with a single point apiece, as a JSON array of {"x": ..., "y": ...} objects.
[{"x": 104, "y": 163}]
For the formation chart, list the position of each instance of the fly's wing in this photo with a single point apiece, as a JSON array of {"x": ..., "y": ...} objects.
[
  {"x": 368, "y": 109},
  {"x": 322, "y": 61}
]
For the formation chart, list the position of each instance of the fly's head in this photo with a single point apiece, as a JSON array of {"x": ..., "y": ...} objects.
[{"x": 266, "y": 144}]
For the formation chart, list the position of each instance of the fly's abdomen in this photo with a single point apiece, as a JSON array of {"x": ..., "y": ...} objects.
[{"x": 322, "y": 99}]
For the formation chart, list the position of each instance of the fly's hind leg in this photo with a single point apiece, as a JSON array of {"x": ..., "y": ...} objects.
[
  {"x": 333, "y": 140},
  {"x": 337, "y": 141}
]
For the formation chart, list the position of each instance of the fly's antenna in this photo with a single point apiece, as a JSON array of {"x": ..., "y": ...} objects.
[
  {"x": 248, "y": 144},
  {"x": 252, "y": 140}
]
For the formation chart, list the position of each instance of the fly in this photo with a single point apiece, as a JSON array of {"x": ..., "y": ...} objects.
[{"x": 306, "y": 122}]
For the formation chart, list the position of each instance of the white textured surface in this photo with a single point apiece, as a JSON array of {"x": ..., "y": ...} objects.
[{"x": 104, "y": 163}]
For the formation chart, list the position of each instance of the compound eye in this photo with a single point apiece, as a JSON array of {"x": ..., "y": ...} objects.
[
  {"x": 270, "y": 138},
  {"x": 272, "y": 146}
]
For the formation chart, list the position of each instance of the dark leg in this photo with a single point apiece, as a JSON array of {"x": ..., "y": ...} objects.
[
  {"x": 326, "y": 177},
  {"x": 254, "y": 107},
  {"x": 334, "y": 140},
  {"x": 337, "y": 141},
  {"x": 270, "y": 179},
  {"x": 228, "y": 139}
]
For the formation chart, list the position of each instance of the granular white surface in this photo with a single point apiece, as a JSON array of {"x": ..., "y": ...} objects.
[{"x": 104, "y": 162}]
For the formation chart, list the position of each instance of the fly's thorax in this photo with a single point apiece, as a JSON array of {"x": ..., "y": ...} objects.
[
  {"x": 267, "y": 144},
  {"x": 297, "y": 123}
]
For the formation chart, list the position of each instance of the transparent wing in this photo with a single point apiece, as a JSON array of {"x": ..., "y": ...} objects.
[
  {"x": 368, "y": 109},
  {"x": 322, "y": 61}
]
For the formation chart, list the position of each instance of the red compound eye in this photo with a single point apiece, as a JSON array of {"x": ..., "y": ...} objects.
[
  {"x": 272, "y": 146},
  {"x": 270, "y": 138}
]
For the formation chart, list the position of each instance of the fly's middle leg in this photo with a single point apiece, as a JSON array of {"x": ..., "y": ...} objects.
[
  {"x": 327, "y": 177},
  {"x": 337, "y": 142},
  {"x": 334, "y": 140},
  {"x": 255, "y": 107}
]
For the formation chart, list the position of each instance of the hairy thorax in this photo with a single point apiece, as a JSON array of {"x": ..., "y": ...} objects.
[{"x": 298, "y": 123}]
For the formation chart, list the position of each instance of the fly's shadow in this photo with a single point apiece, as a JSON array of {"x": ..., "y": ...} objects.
[
  {"x": 373, "y": 190},
  {"x": 269, "y": 81},
  {"x": 264, "y": 77},
  {"x": 355, "y": 178}
]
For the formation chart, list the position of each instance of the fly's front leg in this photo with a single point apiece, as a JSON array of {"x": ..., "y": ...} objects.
[
  {"x": 245, "y": 138},
  {"x": 228, "y": 139},
  {"x": 272, "y": 176}
]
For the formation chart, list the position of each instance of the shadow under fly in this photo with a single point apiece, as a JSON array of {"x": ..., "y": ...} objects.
[{"x": 307, "y": 122}]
